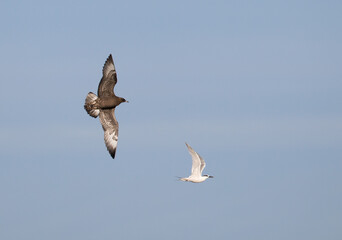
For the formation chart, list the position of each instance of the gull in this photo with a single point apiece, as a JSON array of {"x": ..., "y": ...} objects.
[
  {"x": 198, "y": 165},
  {"x": 104, "y": 104}
]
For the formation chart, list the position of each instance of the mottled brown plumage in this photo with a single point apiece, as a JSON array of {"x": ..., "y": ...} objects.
[{"x": 104, "y": 105}]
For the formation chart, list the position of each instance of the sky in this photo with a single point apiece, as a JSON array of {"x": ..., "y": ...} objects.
[{"x": 253, "y": 86}]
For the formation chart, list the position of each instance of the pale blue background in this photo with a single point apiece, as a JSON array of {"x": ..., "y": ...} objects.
[{"x": 253, "y": 86}]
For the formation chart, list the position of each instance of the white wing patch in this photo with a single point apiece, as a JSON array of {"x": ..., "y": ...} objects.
[
  {"x": 111, "y": 140},
  {"x": 111, "y": 129}
]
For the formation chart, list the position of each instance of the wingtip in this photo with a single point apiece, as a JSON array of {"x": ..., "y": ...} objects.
[
  {"x": 108, "y": 65},
  {"x": 109, "y": 59},
  {"x": 112, "y": 154}
]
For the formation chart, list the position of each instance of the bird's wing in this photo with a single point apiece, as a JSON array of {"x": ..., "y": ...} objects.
[
  {"x": 111, "y": 129},
  {"x": 202, "y": 163},
  {"x": 109, "y": 79},
  {"x": 196, "y": 162}
]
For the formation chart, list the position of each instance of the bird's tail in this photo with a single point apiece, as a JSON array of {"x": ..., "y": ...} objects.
[
  {"x": 181, "y": 179},
  {"x": 89, "y": 105}
]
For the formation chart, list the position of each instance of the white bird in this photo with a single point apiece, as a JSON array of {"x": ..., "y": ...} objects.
[{"x": 198, "y": 165}]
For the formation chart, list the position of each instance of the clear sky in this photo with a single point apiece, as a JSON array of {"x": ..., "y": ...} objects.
[{"x": 252, "y": 86}]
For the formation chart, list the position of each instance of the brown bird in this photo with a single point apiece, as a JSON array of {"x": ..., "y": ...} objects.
[{"x": 104, "y": 105}]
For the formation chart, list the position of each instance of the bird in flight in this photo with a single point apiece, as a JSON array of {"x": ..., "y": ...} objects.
[
  {"x": 198, "y": 165},
  {"x": 104, "y": 105}
]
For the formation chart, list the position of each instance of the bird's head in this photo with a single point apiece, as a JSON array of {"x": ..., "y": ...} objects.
[
  {"x": 123, "y": 100},
  {"x": 208, "y": 176}
]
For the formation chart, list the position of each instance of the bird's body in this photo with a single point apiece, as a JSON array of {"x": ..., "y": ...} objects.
[
  {"x": 194, "y": 179},
  {"x": 104, "y": 104},
  {"x": 198, "y": 165}
]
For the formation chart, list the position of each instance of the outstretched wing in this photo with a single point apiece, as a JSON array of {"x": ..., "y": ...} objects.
[
  {"x": 196, "y": 162},
  {"x": 202, "y": 163},
  {"x": 111, "y": 129},
  {"x": 109, "y": 79}
]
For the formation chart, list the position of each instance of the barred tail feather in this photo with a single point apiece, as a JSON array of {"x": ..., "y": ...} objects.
[{"x": 89, "y": 105}]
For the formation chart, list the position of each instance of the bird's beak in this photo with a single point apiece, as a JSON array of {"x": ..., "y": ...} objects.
[
  {"x": 127, "y": 101},
  {"x": 211, "y": 176}
]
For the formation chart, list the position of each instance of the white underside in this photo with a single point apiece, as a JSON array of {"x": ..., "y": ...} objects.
[{"x": 194, "y": 179}]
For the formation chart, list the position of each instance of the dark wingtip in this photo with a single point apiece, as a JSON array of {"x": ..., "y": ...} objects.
[
  {"x": 110, "y": 58},
  {"x": 108, "y": 62},
  {"x": 187, "y": 145},
  {"x": 112, "y": 154}
]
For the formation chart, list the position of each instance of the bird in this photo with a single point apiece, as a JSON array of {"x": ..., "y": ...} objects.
[
  {"x": 104, "y": 104},
  {"x": 198, "y": 165}
]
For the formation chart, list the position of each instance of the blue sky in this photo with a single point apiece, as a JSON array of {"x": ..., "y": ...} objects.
[{"x": 254, "y": 87}]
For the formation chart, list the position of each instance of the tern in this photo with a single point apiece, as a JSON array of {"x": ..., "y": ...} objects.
[
  {"x": 198, "y": 165},
  {"x": 104, "y": 104}
]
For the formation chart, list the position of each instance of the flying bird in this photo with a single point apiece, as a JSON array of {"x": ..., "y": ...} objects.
[
  {"x": 104, "y": 105},
  {"x": 198, "y": 165}
]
